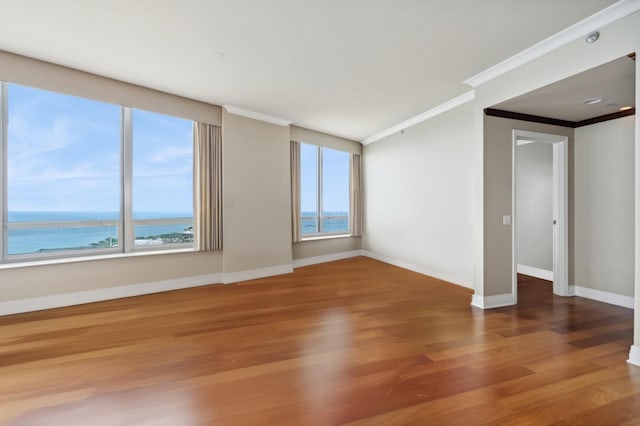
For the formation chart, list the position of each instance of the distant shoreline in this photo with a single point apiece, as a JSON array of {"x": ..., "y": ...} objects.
[{"x": 171, "y": 238}]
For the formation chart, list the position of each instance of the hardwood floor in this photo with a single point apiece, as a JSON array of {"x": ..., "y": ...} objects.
[{"x": 354, "y": 341}]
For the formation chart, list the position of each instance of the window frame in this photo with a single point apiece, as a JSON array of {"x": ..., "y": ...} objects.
[
  {"x": 125, "y": 224},
  {"x": 319, "y": 234},
  {"x": 4, "y": 121},
  {"x": 127, "y": 193}
]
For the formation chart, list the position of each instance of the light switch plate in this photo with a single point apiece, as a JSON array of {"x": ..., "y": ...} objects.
[{"x": 506, "y": 219}]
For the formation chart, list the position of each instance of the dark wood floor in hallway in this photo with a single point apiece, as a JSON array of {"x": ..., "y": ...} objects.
[{"x": 354, "y": 341}]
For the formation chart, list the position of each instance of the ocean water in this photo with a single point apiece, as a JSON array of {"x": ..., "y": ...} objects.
[
  {"x": 61, "y": 216},
  {"x": 37, "y": 240},
  {"x": 42, "y": 240},
  {"x": 333, "y": 222}
]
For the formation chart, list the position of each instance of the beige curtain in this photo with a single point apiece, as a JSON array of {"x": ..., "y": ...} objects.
[
  {"x": 207, "y": 177},
  {"x": 355, "y": 198},
  {"x": 295, "y": 192}
]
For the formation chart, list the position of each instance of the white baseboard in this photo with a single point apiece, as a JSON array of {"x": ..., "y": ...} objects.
[
  {"x": 297, "y": 263},
  {"x": 634, "y": 355},
  {"x": 418, "y": 269},
  {"x": 489, "y": 302},
  {"x": 532, "y": 271},
  {"x": 253, "y": 274},
  {"x": 603, "y": 296},
  {"x": 99, "y": 295}
]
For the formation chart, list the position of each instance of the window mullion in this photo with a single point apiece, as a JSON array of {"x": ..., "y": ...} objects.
[
  {"x": 126, "y": 213},
  {"x": 349, "y": 212},
  {"x": 4, "y": 121},
  {"x": 319, "y": 212}
]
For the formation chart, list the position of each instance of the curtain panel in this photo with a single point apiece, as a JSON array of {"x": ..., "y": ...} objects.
[
  {"x": 207, "y": 176},
  {"x": 295, "y": 192},
  {"x": 355, "y": 198}
]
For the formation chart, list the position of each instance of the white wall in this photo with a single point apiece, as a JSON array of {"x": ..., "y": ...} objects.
[
  {"x": 418, "y": 197},
  {"x": 534, "y": 205},
  {"x": 604, "y": 203}
]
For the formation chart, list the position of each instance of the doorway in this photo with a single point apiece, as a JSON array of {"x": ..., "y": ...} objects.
[{"x": 560, "y": 208}]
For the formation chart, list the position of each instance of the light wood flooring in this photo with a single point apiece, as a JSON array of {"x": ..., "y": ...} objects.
[{"x": 354, "y": 341}]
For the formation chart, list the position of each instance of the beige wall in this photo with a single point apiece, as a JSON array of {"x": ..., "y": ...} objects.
[
  {"x": 26, "y": 282},
  {"x": 256, "y": 194},
  {"x": 418, "y": 196},
  {"x": 43, "y": 75},
  {"x": 323, "y": 247},
  {"x": 301, "y": 134},
  {"x": 604, "y": 219},
  {"x": 498, "y": 171},
  {"x": 534, "y": 205}
]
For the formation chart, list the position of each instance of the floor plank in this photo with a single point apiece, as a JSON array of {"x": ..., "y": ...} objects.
[{"x": 354, "y": 341}]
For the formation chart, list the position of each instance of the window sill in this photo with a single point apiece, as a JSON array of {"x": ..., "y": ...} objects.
[
  {"x": 325, "y": 237},
  {"x": 63, "y": 260}
]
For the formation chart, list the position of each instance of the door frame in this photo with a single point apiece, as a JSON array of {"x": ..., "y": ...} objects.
[{"x": 560, "y": 146}]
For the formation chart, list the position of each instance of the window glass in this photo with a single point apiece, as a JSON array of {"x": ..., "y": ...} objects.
[
  {"x": 163, "y": 234},
  {"x": 335, "y": 191},
  {"x": 324, "y": 182},
  {"x": 66, "y": 189},
  {"x": 309, "y": 188},
  {"x": 63, "y": 165},
  {"x": 58, "y": 239},
  {"x": 162, "y": 166}
]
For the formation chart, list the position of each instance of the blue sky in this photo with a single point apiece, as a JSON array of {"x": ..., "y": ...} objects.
[
  {"x": 162, "y": 164},
  {"x": 335, "y": 179},
  {"x": 64, "y": 155}
]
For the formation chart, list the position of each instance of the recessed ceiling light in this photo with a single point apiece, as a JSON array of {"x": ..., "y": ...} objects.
[
  {"x": 591, "y": 38},
  {"x": 626, "y": 108},
  {"x": 592, "y": 101}
]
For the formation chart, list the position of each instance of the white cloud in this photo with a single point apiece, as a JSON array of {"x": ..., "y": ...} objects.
[
  {"x": 27, "y": 140},
  {"x": 170, "y": 154}
]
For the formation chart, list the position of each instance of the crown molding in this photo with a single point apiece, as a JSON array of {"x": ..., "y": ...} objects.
[
  {"x": 492, "y": 112},
  {"x": 594, "y": 22},
  {"x": 257, "y": 115},
  {"x": 443, "y": 107}
]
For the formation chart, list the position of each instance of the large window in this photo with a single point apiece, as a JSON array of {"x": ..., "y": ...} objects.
[
  {"x": 162, "y": 197},
  {"x": 324, "y": 197},
  {"x": 81, "y": 177}
]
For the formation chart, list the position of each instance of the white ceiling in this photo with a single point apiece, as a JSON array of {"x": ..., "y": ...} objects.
[
  {"x": 350, "y": 68},
  {"x": 614, "y": 82}
]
